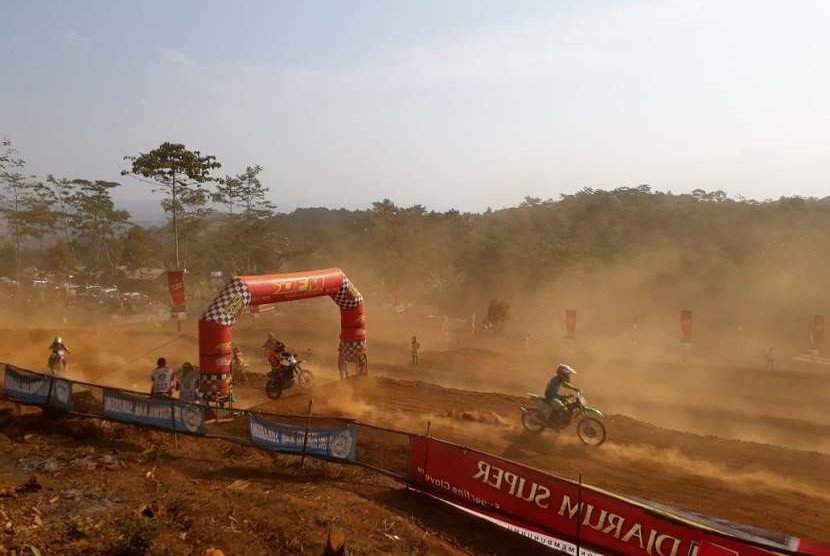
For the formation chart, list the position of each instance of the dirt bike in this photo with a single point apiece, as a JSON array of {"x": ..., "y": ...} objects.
[
  {"x": 287, "y": 376},
  {"x": 589, "y": 427},
  {"x": 57, "y": 361}
]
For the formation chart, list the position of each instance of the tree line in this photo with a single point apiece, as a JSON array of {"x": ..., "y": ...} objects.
[{"x": 665, "y": 249}]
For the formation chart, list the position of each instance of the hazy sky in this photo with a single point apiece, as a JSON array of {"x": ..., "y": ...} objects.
[{"x": 447, "y": 103}]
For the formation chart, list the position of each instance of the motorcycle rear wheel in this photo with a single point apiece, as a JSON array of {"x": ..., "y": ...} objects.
[
  {"x": 591, "y": 431},
  {"x": 532, "y": 421},
  {"x": 273, "y": 390}
]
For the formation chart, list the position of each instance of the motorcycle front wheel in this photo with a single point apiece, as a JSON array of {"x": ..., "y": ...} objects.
[
  {"x": 532, "y": 421},
  {"x": 273, "y": 390},
  {"x": 305, "y": 379},
  {"x": 591, "y": 431}
]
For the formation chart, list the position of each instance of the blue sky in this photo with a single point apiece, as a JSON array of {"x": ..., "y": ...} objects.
[{"x": 463, "y": 104}]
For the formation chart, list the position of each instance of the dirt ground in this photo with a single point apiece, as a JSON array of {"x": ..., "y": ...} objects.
[{"x": 733, "y": 441}]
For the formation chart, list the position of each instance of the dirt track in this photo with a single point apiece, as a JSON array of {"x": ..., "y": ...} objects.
[
  {"x": 701, "y": 457},
  {"x": 777, "y": 488}
]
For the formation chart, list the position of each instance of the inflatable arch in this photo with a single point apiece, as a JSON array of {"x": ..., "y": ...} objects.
[{"x": 215, "y": 325}]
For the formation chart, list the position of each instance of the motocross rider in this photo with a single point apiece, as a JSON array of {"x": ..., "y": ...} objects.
[
  {"x": 58, "y": 346},
  {"x": 276, "y": 358},
  {"x": 553, "y": 400}
]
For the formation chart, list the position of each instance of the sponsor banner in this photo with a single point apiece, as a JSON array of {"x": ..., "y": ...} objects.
[
  {"x": 817, "y": 334},
  {"x": 165, "y": 413},
  {"x": 37, "y": 389},
  {"x": 570, "y": 324},
  {"x": 175, "y": 282},
  {"x": 339, "y": 443},
  {"x": 560, "y": 508},
  {"x": 523, "y": 529},
  {"x": 686, "y": 326}
]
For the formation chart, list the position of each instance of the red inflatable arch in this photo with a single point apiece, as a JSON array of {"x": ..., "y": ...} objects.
[{"x": 215, "y": 326}]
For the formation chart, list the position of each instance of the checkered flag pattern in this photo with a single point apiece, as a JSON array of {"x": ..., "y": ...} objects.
[
  {"x": 347, "y": 297},
  {"x": 231, "y": 300},
  {"x": 353, "y": 351}
]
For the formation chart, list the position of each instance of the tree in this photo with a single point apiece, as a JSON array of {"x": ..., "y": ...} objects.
[
  {"x": 181, "y": 173},
  {"x": 59, "y": 258},
  {"x": 135, "y": 251},
  {"x": 62, "y": 189},
  {"x": 245, "y": 191},
  {"x": 95, "y": 221},
  {"x": 24, "y": 202},
  {"x": 247, "y": 239}
]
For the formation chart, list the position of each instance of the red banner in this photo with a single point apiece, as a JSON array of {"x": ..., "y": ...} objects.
[
  {"x": 686, "y": 326},
  {"x": 817, "y": 335},
  {"x": 175, "y": 282},
  {"x": 559, "y": 509},
  {"x": 570, "y": 324}
]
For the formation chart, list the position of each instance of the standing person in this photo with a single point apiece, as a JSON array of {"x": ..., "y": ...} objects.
[
  {"x": 239, "y": 368},
  {"x": 189, "y": 384},
  {"x": 416, "y": 348},
  {"x": 769, "y": 354},
  {"x": 164, "y": 383}
]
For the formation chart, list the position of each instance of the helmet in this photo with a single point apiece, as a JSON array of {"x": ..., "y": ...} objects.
[
  {"x": 58, "y": 340},
  {"x": 565, "y": 372},
  {"x": 187, "y": 367}
]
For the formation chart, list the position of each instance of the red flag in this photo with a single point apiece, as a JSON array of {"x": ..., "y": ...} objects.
[
  {"x": 570, "y": 324},
  {"x": 686, "y": 326},
  {"x": 817, "y": 335},
  {"x": 175, "y": 283}
]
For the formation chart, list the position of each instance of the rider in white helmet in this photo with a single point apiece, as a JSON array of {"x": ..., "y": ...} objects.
[{"x": 562, "y": 379}]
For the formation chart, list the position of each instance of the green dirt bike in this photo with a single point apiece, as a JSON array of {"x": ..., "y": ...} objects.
[{"x": 589, "y": 427}]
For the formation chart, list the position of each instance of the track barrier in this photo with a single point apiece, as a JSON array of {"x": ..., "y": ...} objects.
[{"x": 563, "y": 514}]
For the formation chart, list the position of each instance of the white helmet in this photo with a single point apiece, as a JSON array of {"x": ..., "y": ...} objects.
[{"x": 565, "y": 371}]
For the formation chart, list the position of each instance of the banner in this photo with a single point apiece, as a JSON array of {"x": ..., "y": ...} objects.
[
  {"x": 338, "y": 443},
  {"x": 37, "y": 389},
  {"x": 559, "y": 509},
  {"x": 686, "y": 326},
  {"x": 817, "y": 335},
  {"x": 165, "y": 413},
  {"x": 175, "y": 282},
  {"x": 570, "y": 324}
]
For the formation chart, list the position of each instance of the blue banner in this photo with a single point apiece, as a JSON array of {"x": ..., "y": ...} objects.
[
  {"x": 331, "y": 443},
  {"x": 165, "y": 413},
  {"x": 37, "y": 389}
]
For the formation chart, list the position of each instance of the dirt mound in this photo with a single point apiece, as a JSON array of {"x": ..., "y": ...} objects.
[{"x": 86, "y": 487}]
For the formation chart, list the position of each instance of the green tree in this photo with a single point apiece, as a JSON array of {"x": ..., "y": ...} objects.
[
  {"x": 135, "y": 249},
  {"x": 181, "y": 174},
  {"x": 61, "y": 190},
  {"x": 245, "y": 191},
  {"x": 24, "y": 202},
  {"x": 59, "y": 258},
  {"x": 95, "y": 221}
]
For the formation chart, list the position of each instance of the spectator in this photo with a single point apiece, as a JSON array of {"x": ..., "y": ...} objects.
[
  {"x": 164, "y": 383},
  {"x": 416, "y": 348},
  {"x": 189, "y": 383}
]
